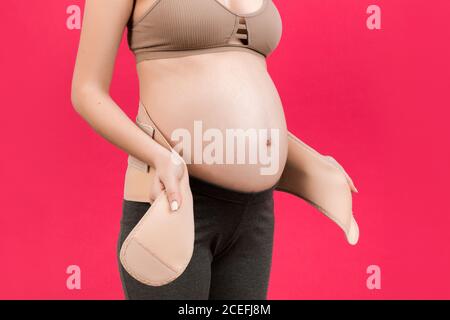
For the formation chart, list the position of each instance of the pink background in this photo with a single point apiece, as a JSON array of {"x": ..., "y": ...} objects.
[{"x": 378, "y": 101}]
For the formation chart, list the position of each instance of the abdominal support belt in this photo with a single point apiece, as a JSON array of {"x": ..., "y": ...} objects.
[{"x": 318, "y": 179}]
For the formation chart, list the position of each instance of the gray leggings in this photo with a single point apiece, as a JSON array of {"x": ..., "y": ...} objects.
[{"x": 232, "y": 250}]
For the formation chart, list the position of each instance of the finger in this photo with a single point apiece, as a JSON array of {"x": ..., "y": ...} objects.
[
  {"x": 155, "y": 189},
  {"x": 172, "y": 186}
]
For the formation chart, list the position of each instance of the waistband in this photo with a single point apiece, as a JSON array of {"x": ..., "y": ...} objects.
[{"x": 209, "y": 189}]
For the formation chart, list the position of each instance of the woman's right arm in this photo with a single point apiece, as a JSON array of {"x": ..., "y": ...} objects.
[{"x": 103, "y": 25}]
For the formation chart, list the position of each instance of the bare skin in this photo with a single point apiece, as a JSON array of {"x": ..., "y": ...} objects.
[{"x": 224, "y": 90}]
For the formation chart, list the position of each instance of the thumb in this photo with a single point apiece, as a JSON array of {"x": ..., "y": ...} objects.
[{"x": 172, "y": 187}]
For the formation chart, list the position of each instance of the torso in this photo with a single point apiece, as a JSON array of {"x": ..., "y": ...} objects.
[{"x": 223, "y": 90}]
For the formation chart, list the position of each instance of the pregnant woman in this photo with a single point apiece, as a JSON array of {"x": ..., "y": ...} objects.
[{"x": 199, "y": 62}]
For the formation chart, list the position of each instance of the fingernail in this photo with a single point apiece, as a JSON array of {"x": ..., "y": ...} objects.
[{"x": 174, "y": 205}]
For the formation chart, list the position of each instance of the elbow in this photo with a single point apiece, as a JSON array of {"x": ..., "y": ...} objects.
[
  {"x": 75, "y": 103},
  {"x": 85, "y": 94},
  {"x": 82, "y": 96},
  {"x": 77, "y": 97}
]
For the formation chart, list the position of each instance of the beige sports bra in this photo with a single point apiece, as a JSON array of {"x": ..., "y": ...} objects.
[{"x": 176, "y": 28}]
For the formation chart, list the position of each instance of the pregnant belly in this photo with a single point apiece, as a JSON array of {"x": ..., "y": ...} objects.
[{"x": 222, "y": 112}]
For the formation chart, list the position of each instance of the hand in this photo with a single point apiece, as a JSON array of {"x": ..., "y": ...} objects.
[{"x": 168, "y": 173}]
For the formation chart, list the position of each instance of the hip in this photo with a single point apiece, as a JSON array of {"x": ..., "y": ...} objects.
[
  {"x": 217, "y": 210},
  {"x": 242, "y": 179}
]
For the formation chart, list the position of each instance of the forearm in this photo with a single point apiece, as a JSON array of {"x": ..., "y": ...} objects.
[{"x": 109, "y": 120}]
